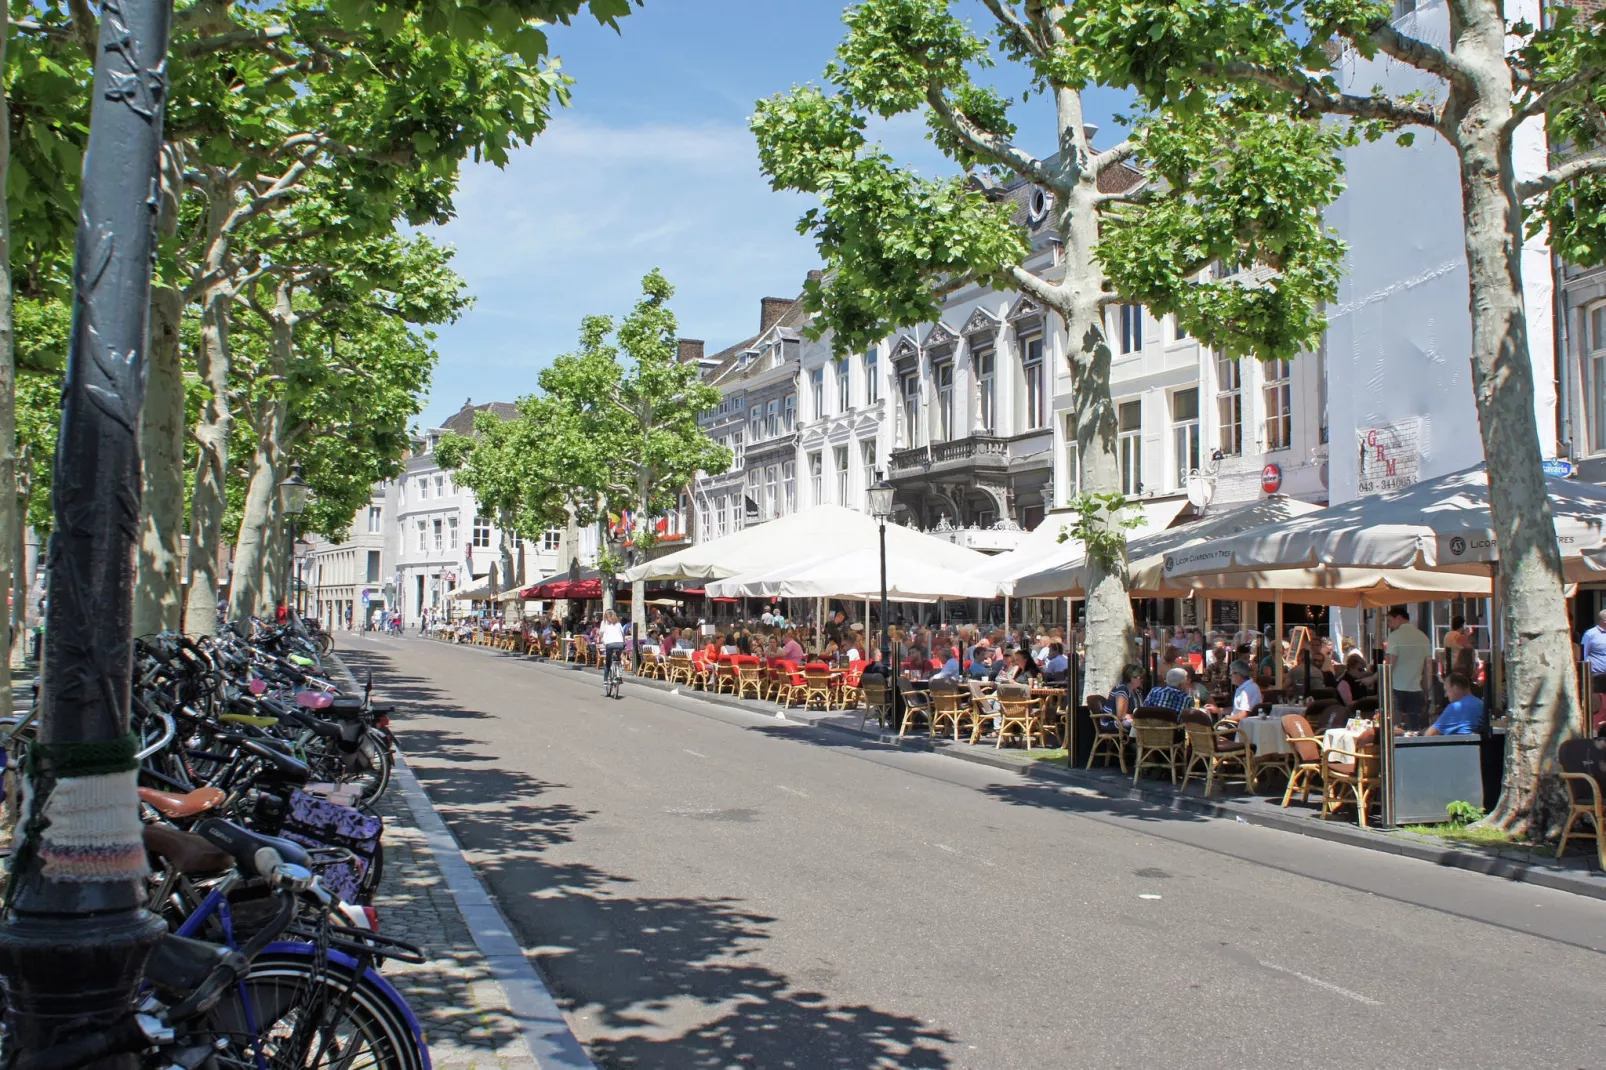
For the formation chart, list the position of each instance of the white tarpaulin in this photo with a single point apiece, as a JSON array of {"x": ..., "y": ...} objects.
[
  {"x": 1441, "y": 524},
  {"x": 857, "y": 575},
  {"x": 1146, "y": 553},
  {"x": 797, "y": 537},
  {"x": 1042, "y": 550}
]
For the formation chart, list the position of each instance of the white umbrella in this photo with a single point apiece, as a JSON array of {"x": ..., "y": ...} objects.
[
  {"x": 796, "y": 537},
  {"x": 857, "y": 575},
  {"x": 1148, "y": 549},
  {"x": 1042, "y": 551},
  {"x": 1439, "y": 524}
]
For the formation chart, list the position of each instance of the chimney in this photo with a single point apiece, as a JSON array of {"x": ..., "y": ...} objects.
[
  {"x": 771, "y": 309},
  {"x": 689, "y": 350},
  {"x": 816, "y": 275},
  {"x": 1088, "y": 131}
]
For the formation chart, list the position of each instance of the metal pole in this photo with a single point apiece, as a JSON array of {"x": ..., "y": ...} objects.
[
  {"x": 886, "y": 634},
  {"x": 75, "y": 938}
]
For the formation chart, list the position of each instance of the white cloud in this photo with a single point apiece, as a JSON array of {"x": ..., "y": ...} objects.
[{"x": 574, "y": 221}]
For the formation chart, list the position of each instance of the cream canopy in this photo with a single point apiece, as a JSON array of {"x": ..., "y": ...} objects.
[
  {"x": 799, "y": 537},
  {"x": 1147, "y": 553},
  {"x": 857, "y": 575},
  {"x": 1042, "y": 550},
  {"x": 1440, "y": 525}
]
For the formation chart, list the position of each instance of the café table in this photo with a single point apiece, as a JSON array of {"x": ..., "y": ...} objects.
[
  {"x": 1341, "y": 739},
  {"x": 1264, "y": 734}
]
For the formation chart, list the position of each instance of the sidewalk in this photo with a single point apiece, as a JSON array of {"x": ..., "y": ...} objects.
[
  {"x": 479, "y": 1000},
  {"x": 1573, "y": 873}
]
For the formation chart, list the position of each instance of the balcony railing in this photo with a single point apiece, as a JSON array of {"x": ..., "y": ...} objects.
[{"x": 986, "y": 450}]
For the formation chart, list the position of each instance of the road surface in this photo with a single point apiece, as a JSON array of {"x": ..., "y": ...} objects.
[{"x": 707, "y": 887}]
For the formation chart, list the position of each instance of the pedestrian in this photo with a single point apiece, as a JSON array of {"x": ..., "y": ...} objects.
[{"x": 1408, "y": 652}]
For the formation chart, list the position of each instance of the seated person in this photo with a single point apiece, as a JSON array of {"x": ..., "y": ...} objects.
[
  {"x": 1124, "y": 696},
  {"x": 1246, "y": 693},
  {"x": 950, "y": 666},
  {"x": 1057, "y": 665},
  {"x": 1464, "y": 715},
  {"x": 1172, "y": 694},
  {"x": 792, "y": 650}
]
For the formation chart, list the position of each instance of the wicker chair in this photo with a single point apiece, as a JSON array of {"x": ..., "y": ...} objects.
[
  {"x": 1351, "y": 776},
  {"x": 946, "y": 706},
  {"x": 1582, "y": 762},
  {"x": 877, "y": 699},
  {"x": 983, "y": 708},
  {"x": 1107, "y": 733},
  {"x": 817, "y": 685},
  {"x": 1018, "y": 710},
  {"x": 681, "y": 670},
  {"x": 724, "y": 675},
  {"x": 1215, "y": 752},
  {"x": 1307, "y": 757},
  {"x": 749, "y": 676},
  {"x": 1158, "y": 741},
  {"x": 702, "y": 674},
  {"x": 916, "y": 708},
  {"x": 650, "y": 664},
  {"x": 849, "y": 694},
  {"x": 790, "y": 687}
]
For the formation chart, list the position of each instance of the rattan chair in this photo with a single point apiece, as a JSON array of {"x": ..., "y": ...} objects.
[
  {"x": 749, "y": 677},
  {"x": 1218, "y": 755},
  {"x": 947, "y": 704},
  {"x": 1018, "y": 710},
  {"x": 1108, "y": 736},
  {"x": 1307, "y": 757},
  {"x": 916, "y": 709},
  {"x": 724, "y": 675},
  {"x": 877, "y": 699},
  {"x": 790, "y": 686},
  {"x": 681, "y": 670},
  {"x": 817, "y": 686},
  {"x": 1581, "y": 759},
  {"x": 1157, "y": 738},
  {"x": 1351, "y": 776},
  {"x": 982, "y": 710}
]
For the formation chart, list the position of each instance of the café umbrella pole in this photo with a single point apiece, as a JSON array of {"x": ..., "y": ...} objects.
[{"x": 75, "y": 936}]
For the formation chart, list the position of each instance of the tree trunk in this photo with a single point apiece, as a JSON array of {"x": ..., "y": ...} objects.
[
  {"x": 9, "y": 519},
  {"x": 208, "y": 500},
  {"x": 254, "y": 546},
  {"x": 1541, "y": 691},
  {"x": 1109, "y": 628},
  {"x": 157, "y": 591}
]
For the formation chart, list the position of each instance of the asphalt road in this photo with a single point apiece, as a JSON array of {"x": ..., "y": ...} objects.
[{"x": 704, "y": 887}]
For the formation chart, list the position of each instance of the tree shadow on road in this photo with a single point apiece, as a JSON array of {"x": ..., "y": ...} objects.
[
  {"x": 413, "y": 696},
  {"x": 649, "y": 981}
]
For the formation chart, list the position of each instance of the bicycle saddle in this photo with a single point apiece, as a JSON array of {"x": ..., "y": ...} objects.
[
  {"x": 242, "y": 845},
  {"x": 186, "y": 852},
  {"x": 189, "y": 804}
]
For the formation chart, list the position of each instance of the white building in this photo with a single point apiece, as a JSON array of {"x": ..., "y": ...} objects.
[
  {"x": 444, "y": 543},
  {"x": 350, "y": 580}
]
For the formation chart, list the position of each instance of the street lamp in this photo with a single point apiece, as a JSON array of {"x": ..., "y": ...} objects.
[
  {"x": 881, "y": 494},
  {"x": 293, "y": 493}
]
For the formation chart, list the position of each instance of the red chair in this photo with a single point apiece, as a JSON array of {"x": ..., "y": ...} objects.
[
  {"x": 790, "y": 684},
  {"x": 724, "y": 675},
  {"x": 749, "y": 676},
  {"x": 817, "y": 684}
]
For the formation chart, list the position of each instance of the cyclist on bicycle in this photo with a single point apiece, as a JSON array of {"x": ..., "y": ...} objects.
[{"x": 612, "y": 637}]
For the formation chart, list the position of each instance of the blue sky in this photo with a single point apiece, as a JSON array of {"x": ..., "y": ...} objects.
[{"x": 653, "y": 166}]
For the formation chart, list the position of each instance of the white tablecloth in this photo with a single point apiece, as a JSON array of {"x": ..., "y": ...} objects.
[
  {"x": 1265, "y": 734},
  {"x": 1339, "y": 739}
]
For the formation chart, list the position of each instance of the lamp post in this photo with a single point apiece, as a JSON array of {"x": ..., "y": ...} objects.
[
  {"x": 293, "y": 494},
  {"x": 75, "y": 934},
  {"x": 881, "y": 494}
]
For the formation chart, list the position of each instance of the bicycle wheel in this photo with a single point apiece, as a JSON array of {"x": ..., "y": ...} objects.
[
  {"x": 285, "y": 1000},
  {"x": 325, "y": 642}
]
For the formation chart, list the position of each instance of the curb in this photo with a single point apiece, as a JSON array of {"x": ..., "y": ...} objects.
[
  {"x": 545, "y": 1031},
  {"x": 1365, "y": 839}
]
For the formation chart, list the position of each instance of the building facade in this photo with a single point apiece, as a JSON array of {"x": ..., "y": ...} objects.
[{"x": 348, "y": 582}]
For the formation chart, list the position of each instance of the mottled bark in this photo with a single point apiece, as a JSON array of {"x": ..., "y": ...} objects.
[
  {"x": 158, "y": 586},
  {"x": 207, "y": 500},
  {"x": 257, "y": 543},
  {"x": 10, "y": 519},
  {"x": 1541, "y": 690}
]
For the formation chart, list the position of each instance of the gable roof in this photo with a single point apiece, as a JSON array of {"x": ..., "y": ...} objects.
[{"x": 462, "y": 421}]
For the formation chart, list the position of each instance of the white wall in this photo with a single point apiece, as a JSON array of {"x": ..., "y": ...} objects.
[{"x": 1400, "y": 339}]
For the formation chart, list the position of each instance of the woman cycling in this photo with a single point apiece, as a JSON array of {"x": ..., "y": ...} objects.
[{"x": 611, "y": 636}]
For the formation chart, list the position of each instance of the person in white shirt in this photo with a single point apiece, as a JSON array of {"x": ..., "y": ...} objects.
[
  {"x": 1245, "y": 692},
  {"x": 1408, "y": 651},
  {"x": 611, "y": 634}
]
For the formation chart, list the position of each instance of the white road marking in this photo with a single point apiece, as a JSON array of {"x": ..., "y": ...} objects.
[
  {"x": 1088, "y": 792},
  {"x": 945, "y": 847},
  {"x": 1319, "y": 983},
  {"x": 694, "y": 754},
  {"x": 793, "y": 791}
]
